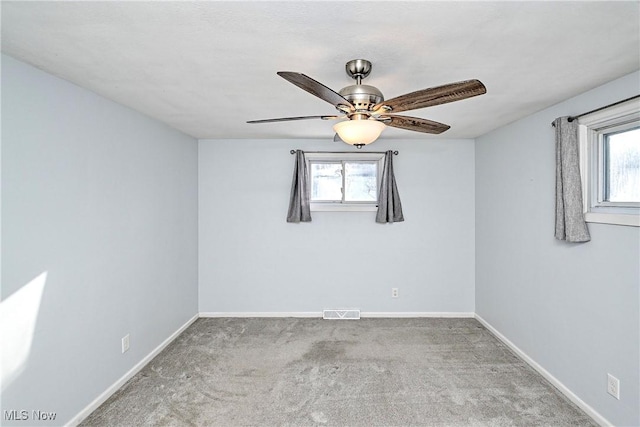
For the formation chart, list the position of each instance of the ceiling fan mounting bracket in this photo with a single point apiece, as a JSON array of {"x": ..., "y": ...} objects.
[{"x": 358, "y": 69}]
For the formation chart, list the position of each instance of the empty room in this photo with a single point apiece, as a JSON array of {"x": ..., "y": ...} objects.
[{"x": 355, "y": 213}]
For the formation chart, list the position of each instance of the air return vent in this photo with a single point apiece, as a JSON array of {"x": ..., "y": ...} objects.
[{"x": 341, "y": 314}]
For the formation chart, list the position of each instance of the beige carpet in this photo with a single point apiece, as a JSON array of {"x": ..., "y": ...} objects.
[{"x": 369, "y": 372}]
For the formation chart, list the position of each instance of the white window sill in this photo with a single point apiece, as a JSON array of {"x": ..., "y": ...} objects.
[
  {"x": 342, "y": 207},
  {"x": 614, "y": 219}
]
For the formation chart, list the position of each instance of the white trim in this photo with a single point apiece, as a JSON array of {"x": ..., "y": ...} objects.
[
  {"x": 126, "y": 377},
  {"x": 605, "y": 117},
  {"x": 589, "y": 129},
  {"x": 344, "y": 155},
  {"x": 261, "y": 314},
  {"x": 553, "y": 380},
  {"x": 615, "y": 219},
  {"x": 343, "y": 207},
  {"x": 347, "y": 156},
  {"x": 409, "y": 314},
  {"x": 386, "y": 314}
]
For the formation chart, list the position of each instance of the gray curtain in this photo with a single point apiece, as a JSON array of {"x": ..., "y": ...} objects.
[
  {"x": 299, "y": 210},
  {"x": 570, "y": 224},
  {"x": 389, "y": 206}
]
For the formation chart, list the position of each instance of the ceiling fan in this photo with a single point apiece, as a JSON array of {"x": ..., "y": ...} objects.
[{"x": 367, "y": 111}]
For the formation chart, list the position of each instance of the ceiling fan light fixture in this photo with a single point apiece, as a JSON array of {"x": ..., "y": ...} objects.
[{"x": 359, "y": 132}]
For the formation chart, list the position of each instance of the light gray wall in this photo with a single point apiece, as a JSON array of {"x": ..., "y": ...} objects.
[
  {"x": 104, "y": 200},
  {"x": 252, "y": 260},
  {"x": 573, "y": 308}
]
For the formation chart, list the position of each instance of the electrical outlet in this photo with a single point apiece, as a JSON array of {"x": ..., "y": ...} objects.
[
  {"x": 394, "y": 292},
  {"x": 613, "y": 386},
  {"x": 125, "y": 343}
]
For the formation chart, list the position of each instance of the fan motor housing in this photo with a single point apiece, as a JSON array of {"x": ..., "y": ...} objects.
[{"x": 363, "y": 97}]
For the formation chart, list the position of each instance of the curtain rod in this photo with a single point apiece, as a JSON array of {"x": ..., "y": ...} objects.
[
  {"x": 396, "y": 152},
  {"x": 572, "y": 118}
]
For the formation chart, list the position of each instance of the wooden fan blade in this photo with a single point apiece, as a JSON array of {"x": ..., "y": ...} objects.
[
  {"x": 434, "y": 96},
  {"x": 287, "y": 119},
  {"x": 315, "y": 88},
  {"x": 414, "y": 123}
]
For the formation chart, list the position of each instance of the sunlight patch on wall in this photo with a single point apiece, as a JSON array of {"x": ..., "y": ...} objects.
[{"x": 18, "y": 316}]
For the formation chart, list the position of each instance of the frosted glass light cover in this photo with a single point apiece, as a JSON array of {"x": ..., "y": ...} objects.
[{"x": 359, "y": 131}]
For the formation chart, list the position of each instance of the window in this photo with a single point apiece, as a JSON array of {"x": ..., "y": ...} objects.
[
  {"x": 344, "y": 181},
  {"x": 610, "y": 164}
]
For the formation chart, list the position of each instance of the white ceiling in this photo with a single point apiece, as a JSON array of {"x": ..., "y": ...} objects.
[{"x": 207, "y": 67}]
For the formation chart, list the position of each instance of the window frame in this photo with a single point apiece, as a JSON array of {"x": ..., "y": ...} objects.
[
  {"x": 335, "y": 206},
  {"x": 592, "y": 130}
]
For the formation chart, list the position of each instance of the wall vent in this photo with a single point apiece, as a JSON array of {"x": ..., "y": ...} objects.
[{"x": 341, "y": 314}]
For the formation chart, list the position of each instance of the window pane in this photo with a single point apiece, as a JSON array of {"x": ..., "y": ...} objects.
[
  {"x": 361, "y": 182},
  {"x": 623, "y": 166},
  {"x": 326, "y": 182}
]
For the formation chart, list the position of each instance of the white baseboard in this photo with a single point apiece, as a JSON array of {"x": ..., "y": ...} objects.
[
  {"x": 390, "y": 314},
  {"x": 261, "y": 314},
  {"x": 126, "y": 377},
  {"x": 553, "y": 380},
  {"x": 409, "y": 314}
]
